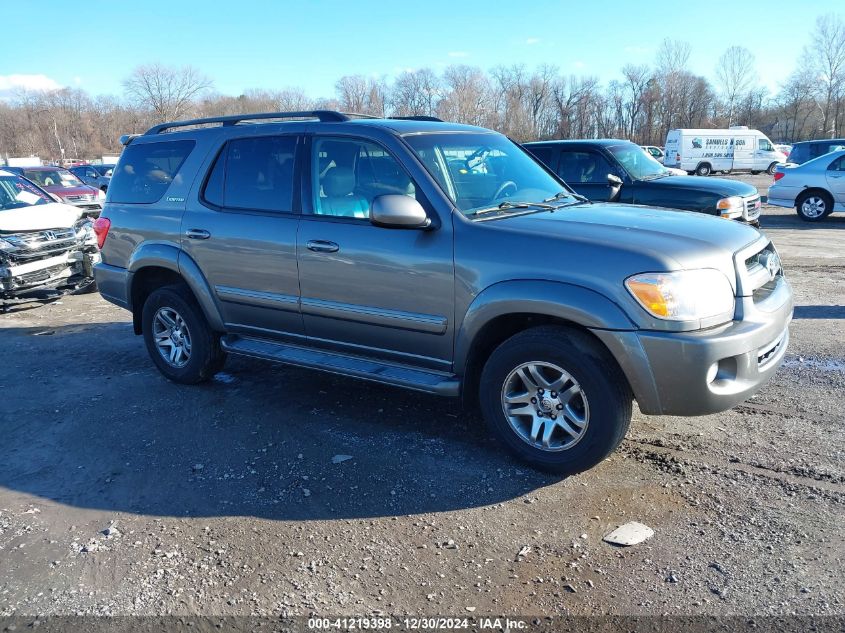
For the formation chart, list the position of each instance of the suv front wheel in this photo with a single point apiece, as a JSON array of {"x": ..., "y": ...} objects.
[
  {"x": 178, "y": 338},
  {"x": 556, "y": 398}
]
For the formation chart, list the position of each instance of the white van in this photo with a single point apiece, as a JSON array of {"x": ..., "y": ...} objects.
[{"x": 734, "y": 149}]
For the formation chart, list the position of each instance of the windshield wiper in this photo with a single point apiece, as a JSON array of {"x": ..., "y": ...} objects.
[
  {"x": 566, "y": 194},
  {"x": 505, "y": 206}
]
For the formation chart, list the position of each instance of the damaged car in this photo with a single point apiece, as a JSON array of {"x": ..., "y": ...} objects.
[{"x": 46, "y": 247}]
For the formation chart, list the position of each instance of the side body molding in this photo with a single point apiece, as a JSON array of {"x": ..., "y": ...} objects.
[{"x": 549, "y": 298}]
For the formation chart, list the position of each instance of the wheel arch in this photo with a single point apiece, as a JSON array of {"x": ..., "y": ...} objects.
[
  {"x": 155, "y": 265},
  {"x": 507, "y": 308}
]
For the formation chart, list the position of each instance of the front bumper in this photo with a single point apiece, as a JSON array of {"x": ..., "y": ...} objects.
[
  {"x": 67, "y": 270},
  {"x": 706, "y": 371}
]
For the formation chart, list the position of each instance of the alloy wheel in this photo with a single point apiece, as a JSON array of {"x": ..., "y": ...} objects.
[
  {"x": 172, "y": 337},
  {"x": 545, "y": 406}
]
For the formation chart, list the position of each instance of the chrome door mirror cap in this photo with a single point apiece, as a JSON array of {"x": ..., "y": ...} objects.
[{"x": 399, "y": 212}]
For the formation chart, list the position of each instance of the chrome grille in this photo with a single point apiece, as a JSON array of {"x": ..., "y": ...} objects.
[
  {"x": 82, "y": 197},
  {"x": 751, "y": 208},
  {"x": 763, "y": 271},
  {"x": 39, "y": 245}
]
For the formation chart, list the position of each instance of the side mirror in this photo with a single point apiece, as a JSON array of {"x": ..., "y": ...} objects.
[
  {"x": 613, "y": 180},
  {"x": 396, "y": 211}
]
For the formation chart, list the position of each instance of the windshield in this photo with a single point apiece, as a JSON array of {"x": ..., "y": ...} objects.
[
  {"x": 52, "y": 177},
  {"x": 639, "y": 164},
  {"x": 15, "y": 192},
  {"x": 479, "y": 171}
]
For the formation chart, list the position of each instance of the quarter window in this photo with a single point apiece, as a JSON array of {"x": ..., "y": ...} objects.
[
  {"x": 146, "y": 170},
  {"x": 764, "y": 145}
]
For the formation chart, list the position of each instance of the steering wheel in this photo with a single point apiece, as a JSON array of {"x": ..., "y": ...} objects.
[{"x": 504, "y": 187}]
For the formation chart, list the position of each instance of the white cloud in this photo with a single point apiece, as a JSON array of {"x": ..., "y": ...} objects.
[
  {"x": 28, "y": 82},
  {"x": 578, "y": 64},
  {"x": 77, "y": 80},
  {"x": 532, "y": 40},
  {"x": 637, "y": 49},
  {"x": 458, "y": 54}
]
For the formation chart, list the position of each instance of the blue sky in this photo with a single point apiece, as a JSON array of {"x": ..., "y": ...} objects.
[{"x": 309, "y": 44}]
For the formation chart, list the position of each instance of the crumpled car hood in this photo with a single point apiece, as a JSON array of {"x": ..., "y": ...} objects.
[{"x": 39, "y": 217}]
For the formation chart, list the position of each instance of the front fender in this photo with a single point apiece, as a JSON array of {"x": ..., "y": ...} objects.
[{"x": 568, "y": 302}]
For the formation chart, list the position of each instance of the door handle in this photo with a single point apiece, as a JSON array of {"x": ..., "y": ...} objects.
[
  {"x": 197, "y": 234},
  {"x": 322, "y": 246}
]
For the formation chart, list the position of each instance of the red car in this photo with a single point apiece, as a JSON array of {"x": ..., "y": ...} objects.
[{"x": 69, "y": 188}]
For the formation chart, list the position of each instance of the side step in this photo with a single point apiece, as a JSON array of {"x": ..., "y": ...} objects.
[{"x": 386, "y": 373}]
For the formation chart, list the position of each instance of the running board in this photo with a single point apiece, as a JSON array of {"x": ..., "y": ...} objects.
[{"x": 367, "y": 369}]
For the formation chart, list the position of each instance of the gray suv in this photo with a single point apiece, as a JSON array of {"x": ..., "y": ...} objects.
[{"x": 441, "y": 258}]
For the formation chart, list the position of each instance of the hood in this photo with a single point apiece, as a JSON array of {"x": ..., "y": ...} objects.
[
  {"x": 674, "y": 239},
  {"x": 70, "y": 191},
  {"x": 721, "y": 186},
  {"x": 39, "y": 217}
]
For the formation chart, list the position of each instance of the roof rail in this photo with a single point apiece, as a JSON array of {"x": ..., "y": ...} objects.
[
  {"x": 326, "y": 116},
  {"x": 418, "y": 117}
]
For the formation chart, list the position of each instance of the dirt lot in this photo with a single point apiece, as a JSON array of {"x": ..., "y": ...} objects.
[{"x": 121, "y": 493}]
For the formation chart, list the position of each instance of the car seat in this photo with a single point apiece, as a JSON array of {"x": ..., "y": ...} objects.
[{"x": 340, "y": 197}]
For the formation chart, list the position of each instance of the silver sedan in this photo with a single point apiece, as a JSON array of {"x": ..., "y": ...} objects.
[{"x": 815, "y": 189}]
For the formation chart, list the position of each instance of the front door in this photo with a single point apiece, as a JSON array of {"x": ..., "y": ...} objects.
[
  {"x": 240, "y": 228},
  {"x": 368, "y": 290}
]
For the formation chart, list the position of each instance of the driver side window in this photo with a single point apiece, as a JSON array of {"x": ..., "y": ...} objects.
[
  {"x": 348, "y": 174},
  {"x": 584, "y": 168}
]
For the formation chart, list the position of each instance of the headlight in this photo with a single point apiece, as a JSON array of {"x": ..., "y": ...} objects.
[
  {"x": 684, "y": 295},
  {"x": 730, "y": 208}
]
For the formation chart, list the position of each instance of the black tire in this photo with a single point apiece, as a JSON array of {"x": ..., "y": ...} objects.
[
  {"x": 703, "y": 169},
  {"x": 771, "y": 169},
  {"x": 823, "y": 200},
  {"x": 754, "y": 172},
  {"x": 206, "y": 357},
  {"x": 603, "y": 385}
]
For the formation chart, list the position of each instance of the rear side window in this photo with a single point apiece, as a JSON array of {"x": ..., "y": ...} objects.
[
  {"x": 146, "y": 170},
  {"x": 799, "y": 154},
  {"x": 253, "y": 173}
]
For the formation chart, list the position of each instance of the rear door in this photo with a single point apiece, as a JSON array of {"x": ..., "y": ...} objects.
[
  {"x": 240, "y": 228},
  {"x": 586, "y": 171},
  {"x": 835, "y": 176}
]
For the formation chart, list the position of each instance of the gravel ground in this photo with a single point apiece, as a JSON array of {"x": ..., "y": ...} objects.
[{"x": 121, "y": 493}]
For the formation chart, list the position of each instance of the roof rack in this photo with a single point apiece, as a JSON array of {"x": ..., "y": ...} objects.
[
  {"x": 326, "y": 116},
  {"x": 417, "y": 117}
]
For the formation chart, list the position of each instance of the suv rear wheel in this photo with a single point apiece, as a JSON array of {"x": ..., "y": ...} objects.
[
  {"x": 178, "y": 338},
  {"x": 555, "y": 397}
]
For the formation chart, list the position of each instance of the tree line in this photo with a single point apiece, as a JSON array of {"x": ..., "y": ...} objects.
[{"x": 642, "y": 104}]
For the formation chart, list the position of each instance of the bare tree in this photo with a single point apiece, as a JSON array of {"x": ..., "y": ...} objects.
[
  {"x": 167, "y": 91},
  {"x": 735, "y": 73},
  {"x": 825, "y": 56},
  {"x": 415, "y": 93}
]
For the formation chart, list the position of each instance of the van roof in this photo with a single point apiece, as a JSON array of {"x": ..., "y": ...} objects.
[{"x": 711, "y": 131}]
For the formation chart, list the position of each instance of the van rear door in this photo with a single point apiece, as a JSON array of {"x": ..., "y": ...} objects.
[{"x": 672, "y": 158}]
